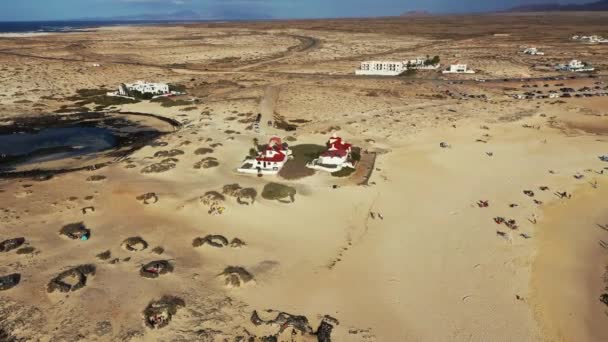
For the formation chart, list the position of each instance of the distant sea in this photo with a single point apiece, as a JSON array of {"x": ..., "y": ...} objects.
[{"x": 68, "y": 26}]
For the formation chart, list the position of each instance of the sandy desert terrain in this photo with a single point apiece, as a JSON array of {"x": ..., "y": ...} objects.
[{"x": 403, "y": 249}]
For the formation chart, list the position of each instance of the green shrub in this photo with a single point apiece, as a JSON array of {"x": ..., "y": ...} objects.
[{"x": 276, "y": 191}]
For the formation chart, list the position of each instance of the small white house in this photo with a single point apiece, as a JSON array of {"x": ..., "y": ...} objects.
[
  {"x": 458, "y": 69},
  {"x": 575, "y": 66},
  {"x": 269, "y": 161},
  {"x": 533, "y": 52},
  {"x": 335, "y": 158},
  {"x": 144, "y": 88},
  {"x": 381, "y": 68}
]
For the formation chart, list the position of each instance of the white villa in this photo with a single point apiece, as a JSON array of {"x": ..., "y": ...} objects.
[
  {"x": 144, "y": 88},
  {"x": 458, "y": 69},
  {"x": 575, "y": 66},
  {"x": 335, "y": 158},
  {"x": 533, "y": 52},
  {"x": 269, "y": 161},
  {"x": 394, "y": 68}
]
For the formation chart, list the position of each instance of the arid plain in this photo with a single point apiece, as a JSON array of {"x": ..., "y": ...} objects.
[{"x": 405, "y": 253}]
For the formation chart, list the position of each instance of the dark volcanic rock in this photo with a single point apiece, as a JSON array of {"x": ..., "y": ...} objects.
[
  {"x": 10, "y": 244},
  {"x": 71, "y": 280}
]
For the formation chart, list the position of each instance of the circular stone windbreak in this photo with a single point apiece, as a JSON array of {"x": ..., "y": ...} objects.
[
  {"x": 10, "y": 244},
  {"x": 236, "y": 276},
  {"x": 76, "y": 231},
  {"x": 135, "y": 244},
  {"x": 159, "y": 313},
  {"x": 71, "y": 280},
  {"x": 9, "y": 281},
  {"x": 156, "y": 268}
]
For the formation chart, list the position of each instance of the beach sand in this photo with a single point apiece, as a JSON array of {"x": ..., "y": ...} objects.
[{"x": 408, "y": 255}]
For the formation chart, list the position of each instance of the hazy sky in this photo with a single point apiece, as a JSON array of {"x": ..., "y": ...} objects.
[{"x": 15, "y": 10}]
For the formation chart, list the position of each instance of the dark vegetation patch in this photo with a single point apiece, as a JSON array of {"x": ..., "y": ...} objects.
[
  {"x": 71, "y": 280},
  {"x": 155, "y": 269},
  {"x": 158, "y": 314},
  {"x": 168, "y": 102},
  {"x": 10, "y": 244},
  {"x": 135, "y": 244},
  {"x": 163, "y": 166},
  {"x": 158, "y": 250},
  {"x": 97, "y": 97},
  {"x": 345, "y": 172},
  {"x": 76, "y": 231},
  {"x": 203, "y": 150},
  {"x": 243, "y": 195},
  {"x": 26, "y": 250},
  {"x": 206, "y": 163},
  {"x": 295, "y": 168},
  {"x": 279, "y": 192},
  {"x": 169, "y": 153}
]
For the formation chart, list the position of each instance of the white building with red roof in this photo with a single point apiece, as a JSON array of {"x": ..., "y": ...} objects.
[
  {"x": 335, "y": 158},
  {"x": 269, "y": 161}
]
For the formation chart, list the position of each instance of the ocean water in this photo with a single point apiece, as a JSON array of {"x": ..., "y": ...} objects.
[{"x": 64, "y": 26}]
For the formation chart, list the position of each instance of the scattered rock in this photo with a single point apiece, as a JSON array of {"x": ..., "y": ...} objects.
[
  {"x": 284, "y": 321},
  {"x": 158, "y": 250},
  {"x": 71, "y": 280},
  {"x": 10, "y": 244},
  {"x": 9, "y": 281},
  {"x": 149, "y": 198},
  {"x": 96, "y": 178},
  {"x": 76, "y": 231},
  {"x": 159, "y": 313},
  {"x": 156, "y": 268},
  {"x": 135, "y": 244}
]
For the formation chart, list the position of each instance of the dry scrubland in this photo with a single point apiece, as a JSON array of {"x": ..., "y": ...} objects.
[{"x": 410, "y": 256}]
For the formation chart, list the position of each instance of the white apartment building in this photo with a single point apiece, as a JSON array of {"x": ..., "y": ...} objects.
[{"x": 144, "y": 88}]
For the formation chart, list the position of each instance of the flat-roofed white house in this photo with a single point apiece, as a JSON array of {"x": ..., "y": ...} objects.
[
  {"x": 269, "y": 161},
  {"x": 533, "y": 52},
  {"x": 575, "y": 66},
  {"x": 381, "y": 68},
  {"x": 458, "y": 69}
]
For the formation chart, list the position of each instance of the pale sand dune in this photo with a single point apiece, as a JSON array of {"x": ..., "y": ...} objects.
[{"x": 433, "y": 268}]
